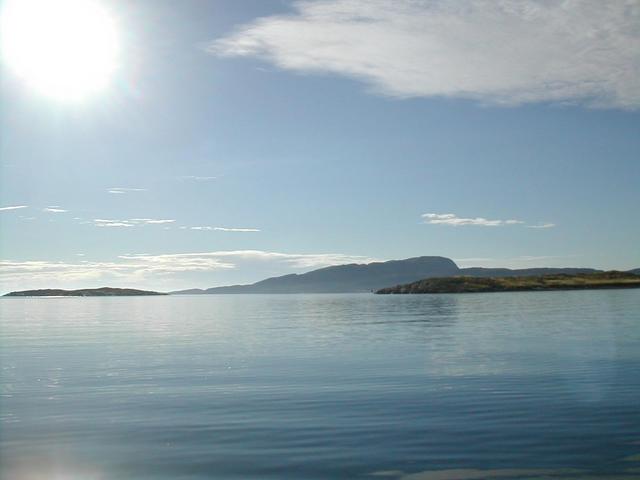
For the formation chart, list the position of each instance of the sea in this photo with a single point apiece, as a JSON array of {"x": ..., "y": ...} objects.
[{"x": 527, "y": 385}]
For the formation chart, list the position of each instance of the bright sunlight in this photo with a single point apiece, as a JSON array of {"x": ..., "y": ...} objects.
[{"x": 66, "y": 50}]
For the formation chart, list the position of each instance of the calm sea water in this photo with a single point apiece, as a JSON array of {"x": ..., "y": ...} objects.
[{"x": 441, "y": 387}]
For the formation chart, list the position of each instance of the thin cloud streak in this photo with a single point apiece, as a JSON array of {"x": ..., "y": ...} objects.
[
  {"x": 121, "y": 190},
  {"x": 544, "y": 225},
  {"x": 13, "y": 207},
  {"x": 497, "y": 52},
  {"x": 102, "y": 222},
  {"x": 223, "y": 229},
  {"x": 453, "y": 220},
  {"x": 54, "y": 210},
  {"x": 197, "y": 178}
]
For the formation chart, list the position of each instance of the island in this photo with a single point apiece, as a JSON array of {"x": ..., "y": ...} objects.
[
  {"x": 369, "y": 277},
  {"x": 85, "y": 292},
  {"x": 466, "y": 284}
]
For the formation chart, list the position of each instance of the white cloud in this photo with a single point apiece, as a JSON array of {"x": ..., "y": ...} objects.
[
  {"x": 522, "y": 261},
  {"x": 15, "y": 207},
  {"x": 144, "y": 268},
  {"x": 101, "y": 222},
  {"x": 54, "y": 210},
  {"x": 453, "y": 220},
  {"x": 111, "y": 223},
  {"x": 544, "y": 225},
  {"x": 224, "y": 229},
  {"x": 150, "y": 221},
  {"x": 495, "y": 51},
  {"x": 119, "y": 190},
  {"x": 197, "y": 178},
  {"x": 231, "y": 257}
]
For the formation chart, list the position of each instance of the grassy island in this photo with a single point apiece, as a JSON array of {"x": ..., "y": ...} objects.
[
  {"x": 86, "y": 292},
  {"x": 463, "y": 284}
]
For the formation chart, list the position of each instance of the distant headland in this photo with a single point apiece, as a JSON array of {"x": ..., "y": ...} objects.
[
  {"x": 428, "y": 273},
  {"x": 87, "y": 292},
  {"x": 371, "y": 277},
  {"x": 465, "y": 284}
]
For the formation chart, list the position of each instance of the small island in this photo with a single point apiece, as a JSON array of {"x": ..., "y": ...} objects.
[
  {"x": 464, "y": 284},
  {"x": 85, "y": 292}
]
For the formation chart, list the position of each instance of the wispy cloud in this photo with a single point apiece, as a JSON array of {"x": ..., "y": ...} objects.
[
  {"x": 226, "y": 229},
  {"x": 120, "y": 190},
  {"x": 55, "y": 209},
  {"x": 196, "y": 178},
  {"x": 453, "y": 220},
  {"x": 13, "y": 207},
  {"x": 103, "y": 222},
  {"x": 501, "y": 52},
  {"x": 150, "y": 221},
  {"x": 231, "y": 257},
  {"x": 544, "y": 225},
  {"x": 99, "y": 222},
  {"x": 223, "y": 229},
  {"x": 521, "y": 261},
  {"x": 146, "y": 267}
]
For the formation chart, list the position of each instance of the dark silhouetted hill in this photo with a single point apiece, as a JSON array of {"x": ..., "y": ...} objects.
[
  {"x": 354, "y": 278},
  {"x": 347, "y": 278}
]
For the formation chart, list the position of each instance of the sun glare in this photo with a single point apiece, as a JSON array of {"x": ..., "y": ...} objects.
[{"x": 64, "y": 49}]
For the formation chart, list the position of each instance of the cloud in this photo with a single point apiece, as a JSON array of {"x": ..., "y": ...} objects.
[
  {"x": 544, "y": 225},
  {"x": 224, "y": 229},
  {"x": 196, "y": 178},
  {"x": 141, "y": 268},
  {"x": 15, "y": 207},
  {"x": 102, "y": 222},
  {"x": 521, "y": 261},
  {"x": 111, "y": 223},
  {"x": 231, "y": 257},
  {"x": 149, "y": 221},
  {"x": 54, "y": 210},
  {"x": 453, "y": 220},
  {"x": 119, "y": 190},
  {"x": 503, "y": 52}
]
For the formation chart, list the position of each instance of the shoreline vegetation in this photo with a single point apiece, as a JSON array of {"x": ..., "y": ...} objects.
[
  {"x": 466, "y": 284},
  {"x": 85, "y": 292}
]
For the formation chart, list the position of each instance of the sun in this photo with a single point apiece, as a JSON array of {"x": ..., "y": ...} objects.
[{"x": 64, "y": 49}]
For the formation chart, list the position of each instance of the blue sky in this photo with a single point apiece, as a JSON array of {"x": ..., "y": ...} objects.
[{"x": 243, "y": 139}]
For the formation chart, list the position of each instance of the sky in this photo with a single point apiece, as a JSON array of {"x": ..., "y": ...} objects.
[{"x": 232, "y": 140}]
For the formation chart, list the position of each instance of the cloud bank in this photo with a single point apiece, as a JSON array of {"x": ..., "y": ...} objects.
[
  {"x": 138, "y": 269},
  {"x": 504, "y": 52}
]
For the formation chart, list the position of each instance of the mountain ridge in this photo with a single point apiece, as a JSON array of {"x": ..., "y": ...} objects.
[{"x": 358, "y": 278}]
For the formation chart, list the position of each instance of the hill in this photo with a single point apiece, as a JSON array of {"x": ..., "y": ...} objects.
[
  {"x": 354, "y": 278},
  {"x": 87, "y": 292},
  {"x": 465, "y": 284},
  {"x": 347, "y": 278}
]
